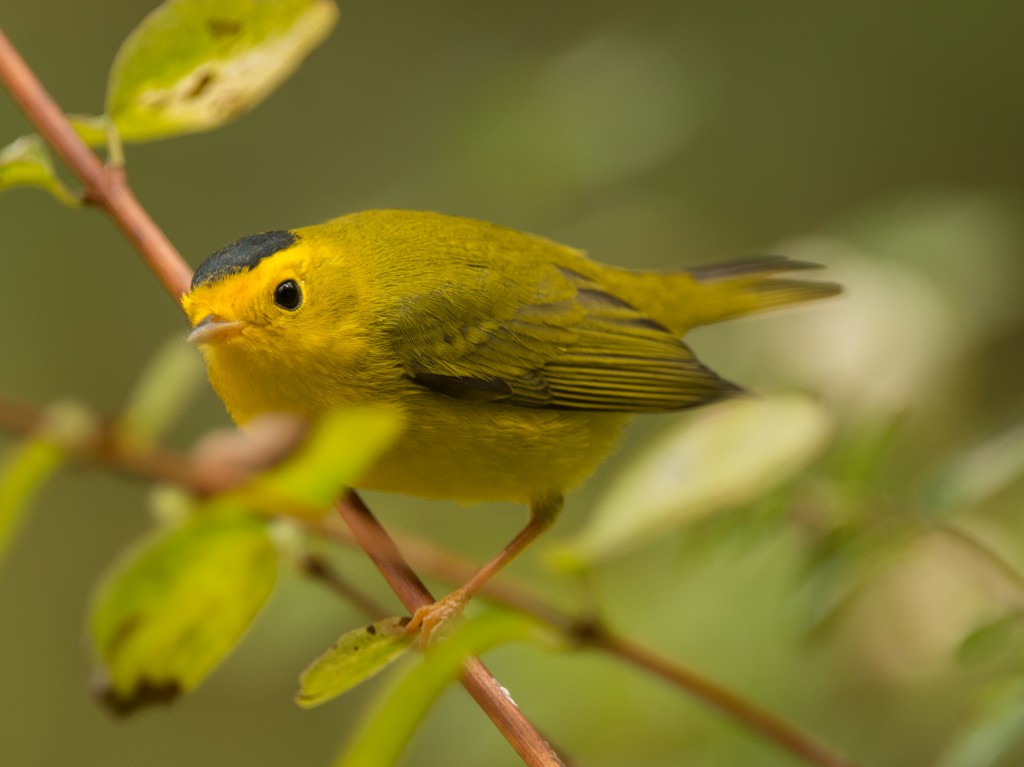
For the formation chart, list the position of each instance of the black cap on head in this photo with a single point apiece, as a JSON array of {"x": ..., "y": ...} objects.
[{"x": 241, "y": 255}]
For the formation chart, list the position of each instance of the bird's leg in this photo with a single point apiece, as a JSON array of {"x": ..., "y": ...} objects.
[{"x": 431, "y": 620}]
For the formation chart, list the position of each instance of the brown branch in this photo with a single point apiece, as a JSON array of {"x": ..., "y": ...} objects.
[
  {"x": 166, "y": 466},
  {"x": 770, "y": 726},
  {"x": 478, "y": 681},
  {"x": 107, "y": 186}
]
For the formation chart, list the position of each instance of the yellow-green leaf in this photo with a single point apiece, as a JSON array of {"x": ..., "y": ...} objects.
[
  {"x": 341, "y": 445},
  {"x": 20, "y": 477},
  {"x": 192, "y": 65},
  {"x": 65, "y": 425},
  {"x": 387, "y": 729},
  {"x": 177, "y": 604},
  {"x": 94, "y": 130},
  {"x": 26, "y": 162},
  {"x": 358, "y": 655},
  {"x": 727, "y": 455}
]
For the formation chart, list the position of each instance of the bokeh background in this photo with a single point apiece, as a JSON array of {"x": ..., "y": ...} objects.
[{"x": 881, "y": 139}]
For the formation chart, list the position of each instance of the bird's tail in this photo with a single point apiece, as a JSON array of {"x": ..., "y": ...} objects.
[{"x": 706, "y": 294}]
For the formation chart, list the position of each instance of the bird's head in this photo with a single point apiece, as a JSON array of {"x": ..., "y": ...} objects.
[
  {"x": 273, "y": 312},
  {"x": 249, "y": 290}
]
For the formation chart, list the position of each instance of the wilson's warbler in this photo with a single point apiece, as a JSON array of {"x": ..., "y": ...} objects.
[{"x": 515, "y": 360}]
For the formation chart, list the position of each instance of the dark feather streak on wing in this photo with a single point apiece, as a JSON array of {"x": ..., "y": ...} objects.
[
  {"x": 464, "y": 387},
  {"x": 591, "y": 352}
]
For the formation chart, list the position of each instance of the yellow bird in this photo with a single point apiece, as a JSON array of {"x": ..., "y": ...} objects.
[{"x": 514, "y": 360}]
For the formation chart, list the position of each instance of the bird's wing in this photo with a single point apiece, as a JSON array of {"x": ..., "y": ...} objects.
[{"x": 569, "y": 344}]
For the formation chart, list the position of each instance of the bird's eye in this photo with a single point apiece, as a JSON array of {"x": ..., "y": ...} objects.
[{"x": 287, "y": 295}]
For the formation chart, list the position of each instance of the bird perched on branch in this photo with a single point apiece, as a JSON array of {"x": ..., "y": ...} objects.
[{"x": 514, "y": 360}]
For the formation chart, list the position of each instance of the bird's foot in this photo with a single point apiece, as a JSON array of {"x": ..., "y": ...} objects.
[{"x": 435, "y": 620}]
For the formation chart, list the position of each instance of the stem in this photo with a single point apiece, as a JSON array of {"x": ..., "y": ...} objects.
[
  {"x": 106, "y": 186},
  {"x": 772, "y": 727},
  {"x": 478, "y": 681}
]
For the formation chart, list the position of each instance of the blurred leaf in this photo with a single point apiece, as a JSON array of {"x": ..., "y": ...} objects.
[
  {"x": 92, "y": 129},
  {"x": 727, "y": 455},
  {"x": 872, "y": 353},
  {"x": 841, "y": 564},
  {"x": 341, "y": 445},
  {"x": 989, "y": 640},
  {"x": 966, "y": 243},
  {"x": 193, "y": 65},
  {"x": 169, "y": 382},
  {"x": 173, "y": 608},
  {"x": 386, "y": 730},
  {"x": 997, "y": 728},
  {"x": 980, "y": 473},
  {"x": 26, "y": 162},
  {"x": 358, "y": 655},
  {"x": 64, "y": 426},
  {"x": 20, "y": 477}
]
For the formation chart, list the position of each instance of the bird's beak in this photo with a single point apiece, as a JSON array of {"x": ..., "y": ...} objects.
[{"x": 212, "y": 328}]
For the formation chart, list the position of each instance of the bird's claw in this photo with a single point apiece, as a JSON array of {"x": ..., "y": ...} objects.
[{"x": 435, "y": 620}]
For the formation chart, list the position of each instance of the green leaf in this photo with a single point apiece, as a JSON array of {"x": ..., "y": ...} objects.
[
  {"x": 64, "y": 426},
  {"x": 94, "y": 130},
  {"x": 358, "y": 655},
  {"x": 193, "y": 65},
  {"x": 163, "y": 391},
  {"x": 26, "y": 162},
  {"x": 997, "y": 728},
  {"x": 177, "y": 604},
  {"x": 386, "y": 730},
  {"x": 841, "y": 564},
  {"x": 21, "y": 476},
  {"x": 728, "y": 455},
  {"x": 342, "y": 444}
]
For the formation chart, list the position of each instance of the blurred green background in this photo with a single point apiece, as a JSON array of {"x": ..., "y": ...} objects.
[{"x": 882, "y": 139}]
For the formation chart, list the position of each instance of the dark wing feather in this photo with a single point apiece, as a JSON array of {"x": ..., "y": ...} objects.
[{"x": 571, "y": 344}]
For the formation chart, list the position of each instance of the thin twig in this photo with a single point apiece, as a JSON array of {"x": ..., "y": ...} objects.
[
  {"x": 319, "y": 569},
  {"x": 772, "y": 727},
  {"x": 107, "y": 186}
]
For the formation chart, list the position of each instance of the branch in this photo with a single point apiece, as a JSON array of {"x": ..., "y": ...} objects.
[
  {"x": 477, "y": 680},
  {"x": 174, "y": 468},
  {"x": 107, "y": 186}
]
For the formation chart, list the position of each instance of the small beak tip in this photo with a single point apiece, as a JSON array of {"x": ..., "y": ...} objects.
[{"x": 211, "y": 328}]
